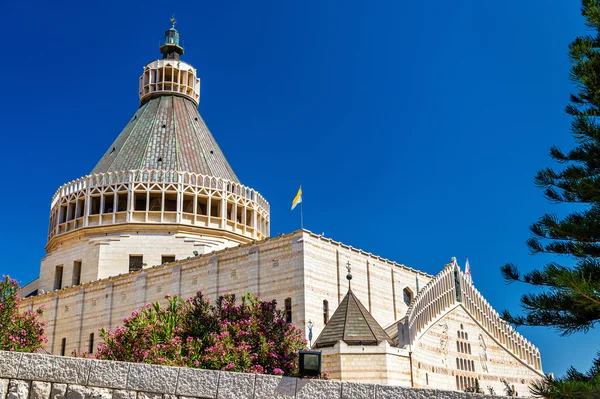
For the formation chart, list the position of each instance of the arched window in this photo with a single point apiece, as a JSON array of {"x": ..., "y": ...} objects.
[
  {"x": 288, "y": 310},
  {"x": 466, "y": 336},
  {"x": 408, "y": 296},
  {"x": 325, "y": 311}
]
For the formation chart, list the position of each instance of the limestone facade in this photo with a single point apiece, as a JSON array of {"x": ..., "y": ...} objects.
[{"x": 307, "y": 270}]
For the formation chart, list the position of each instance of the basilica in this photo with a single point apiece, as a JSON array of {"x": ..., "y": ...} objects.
[{"x": 162, "y": 212}]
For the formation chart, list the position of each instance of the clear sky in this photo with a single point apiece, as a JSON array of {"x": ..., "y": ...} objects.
[{"x": 414, "y": 127}]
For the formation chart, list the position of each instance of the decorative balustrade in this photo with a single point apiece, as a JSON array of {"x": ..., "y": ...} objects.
[
  {"x": 158, "y": 196},
  {"x": 450, "y": 287}
]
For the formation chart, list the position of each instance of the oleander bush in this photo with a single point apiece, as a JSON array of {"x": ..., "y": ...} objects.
[
  {"x": 249, "y": 336},
  {"x": 19, "y": 331}
]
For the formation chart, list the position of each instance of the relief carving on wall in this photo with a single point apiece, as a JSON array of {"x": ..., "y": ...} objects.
[
  {"x": 483, "y": 353},
  {"x": 444, "y": 343}
]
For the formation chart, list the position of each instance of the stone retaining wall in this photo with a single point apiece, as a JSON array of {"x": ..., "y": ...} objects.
[{"x": 35, "y": 376}]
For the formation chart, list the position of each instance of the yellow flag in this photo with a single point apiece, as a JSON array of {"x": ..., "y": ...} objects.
[{"x": 297, "y": 198}]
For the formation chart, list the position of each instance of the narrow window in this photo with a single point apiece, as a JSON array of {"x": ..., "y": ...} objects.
[
  {"x": 63, "y": 346},
  {"x": 466, "y": 336},
  {"x": 427, "y": 378},
  {"x": 457, "y": 346},
  {"x": 135, "y": 262},
  {"x": 469, "y": 348},
  {"x": 288, "y": 310},
  {"x": 408, "y": 296},
  {"x": 167, "y": 259},
  {"x": 58, "y": 277},
  {"x": 325, "y": 312},
  {"x": 91, "y": 345},
  {"x": 457, "y": 363},
  {"x": 77, "y": 272}
]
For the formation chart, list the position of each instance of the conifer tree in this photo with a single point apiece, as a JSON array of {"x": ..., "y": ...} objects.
[{"x": 569, "y": 300}]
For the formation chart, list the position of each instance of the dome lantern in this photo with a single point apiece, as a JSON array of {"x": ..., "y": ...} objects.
[{"x": 170, "y": 46}]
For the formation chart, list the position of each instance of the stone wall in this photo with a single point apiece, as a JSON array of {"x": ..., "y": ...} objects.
[
  {"x": 35, "y": 376},
  {"x": 302, "y": 266},
  {"x": 456, "y": 350}
]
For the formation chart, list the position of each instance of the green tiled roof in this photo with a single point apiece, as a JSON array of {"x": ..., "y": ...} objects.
[
  {"x": 166, "y": 133},
  {"x": 353, "y": 324}
]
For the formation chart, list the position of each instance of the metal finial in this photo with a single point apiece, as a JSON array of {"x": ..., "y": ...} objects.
[
  {"x": 349, "y": 275},
  {"x": 173, "y": 21}
]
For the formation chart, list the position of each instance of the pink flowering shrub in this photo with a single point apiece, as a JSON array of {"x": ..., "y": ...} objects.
[
  {"x": 251, "y": 336},
  {"x": 19, "y": 332}
]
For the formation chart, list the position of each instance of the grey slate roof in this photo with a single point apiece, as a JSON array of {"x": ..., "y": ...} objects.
[
  {"x": 166, "y": 133},
  {"x": 353, "y": 324}
]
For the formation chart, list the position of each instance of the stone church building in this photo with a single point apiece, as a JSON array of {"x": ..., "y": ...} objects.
[{"x": 163, "y": 212}]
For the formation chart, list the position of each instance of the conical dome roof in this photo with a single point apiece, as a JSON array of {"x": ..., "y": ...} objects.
[
  {"x": 166, "y": 133},
  {"x": 353, "y": 324}
]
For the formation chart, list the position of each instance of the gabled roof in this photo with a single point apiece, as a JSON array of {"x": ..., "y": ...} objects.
[
  {"x": 166, "y": 133},
  {"x": 353, "y": 324}
]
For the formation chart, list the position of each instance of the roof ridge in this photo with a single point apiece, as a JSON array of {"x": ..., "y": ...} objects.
[
  {"x": 137, "y": 120},
  {"x": 143, "y": 157},
  {"x": 360, "y": 309},
  {"x": 177, "y": 162}
]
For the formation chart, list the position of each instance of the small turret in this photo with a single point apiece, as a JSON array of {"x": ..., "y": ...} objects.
[{"x": 170, "y": 46}]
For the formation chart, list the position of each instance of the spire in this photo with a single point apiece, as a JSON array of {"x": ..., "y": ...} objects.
[
  {"x": 170, "y": 46},
  {"x": 353, "y": 324}
]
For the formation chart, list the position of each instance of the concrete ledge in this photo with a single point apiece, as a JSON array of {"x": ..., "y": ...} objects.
[
  {"x": 274, "y": 387},
  {"x": 108, "y": 374},
  {"x": 36, "y": 376},
  {"x": 236, "y": 386},
  {"x": 9, "y": 364},
  {"x": 49, "y": 368},
  {"x": 152, "y": 378},
  {"x": 198, "y": 383}
]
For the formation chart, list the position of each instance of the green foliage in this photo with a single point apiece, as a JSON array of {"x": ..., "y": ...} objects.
[
  {"x": 19, "y": 331},
  {"x": 569, "y": 300},
  {"x": 251, "y": 336},
  {"x": 570, "y": 297},
  {"x": 574, "y": 385}
]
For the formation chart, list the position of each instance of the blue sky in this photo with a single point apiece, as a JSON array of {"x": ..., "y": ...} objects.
[{"x": 415, "y": 128}]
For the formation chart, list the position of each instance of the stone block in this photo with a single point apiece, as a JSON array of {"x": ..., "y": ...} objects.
[
  {"x": 236, "y": 385},
  {"x": 100, "y": 393},
  {"x": 148, "y": 395},
  {"x": 69, "y": 370},
  {"x": 123, "y": 394},
  {"x": 353, "y": 390},
  {"x": 198, "y": 383},
  {"x": 274, "y": 387},
  {"x": 9, "y": 364},
  {"x": 322, "y": 389},
  {"x": 59, "y": 391},
  {"x": 108, "y": 374},
  {"x": 18, "y": 389},
  {"x": 3, "y": 387},
  {"x": 152, "y": 378},
  {"x": 78, "y": 392},
  {"x": 391, "y": 392},
  {"x": 40, "y": 390}
]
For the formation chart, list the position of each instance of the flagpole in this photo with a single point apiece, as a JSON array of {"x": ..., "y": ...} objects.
[{"x": 301, "y": 221}]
